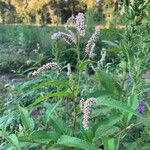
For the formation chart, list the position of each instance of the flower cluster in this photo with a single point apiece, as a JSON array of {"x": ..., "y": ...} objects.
[
  {"x": 91, "y": 43},
  {"x": 52, "y": 65},
  {"x": 68, "y": 38},
  {"x": 148, "y": 75},
  {"x": 82, "y": 103},
  {"x": 85, "y": 106},
  {"x": 80, "y": 23},
  {"x": 141, "y": 108}
]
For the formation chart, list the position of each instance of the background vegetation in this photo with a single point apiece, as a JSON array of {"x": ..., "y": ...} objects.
[{"x": 43, "y": 112}]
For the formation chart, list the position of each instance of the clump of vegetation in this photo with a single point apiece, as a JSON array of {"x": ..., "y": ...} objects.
[{"x": 97, "y": 99}]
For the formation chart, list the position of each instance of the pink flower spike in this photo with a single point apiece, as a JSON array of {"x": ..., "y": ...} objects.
[
  {"x": 80, "y": 23},
  {"x": 52, "y": 65},
  {"x": 86, "y": 111}
]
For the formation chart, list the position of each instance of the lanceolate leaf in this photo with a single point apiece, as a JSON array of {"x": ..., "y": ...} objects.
[
  {"x": 76, "y": 143},
  {"x": 42, "y": 135},
  {"x": 107, "y": 81},
  {"x": 112, "y": 44},
  {"x": 54, "y": 148},
  {"x": 97, "y": 93},
  {"x": 106, "y": 132},
  {"x": 26, "y": 120},
  {"x": 103, "y": 127},
  {"x": 57, "y": 94},
  {"x": 59, "y": 125},
  {"x": 56, "y": 83},
  {"x": 50, "y": 109},
  {"x": 117, "y": 105},
  {"x": 109, "y": 143},
  {"x": 13, "y": 140},
  {"x": 87, "y": 135},
  {"x": 84, "y": 63},
  {"x": 132, "y": 102},
  {"x": 107, "y": 123}
]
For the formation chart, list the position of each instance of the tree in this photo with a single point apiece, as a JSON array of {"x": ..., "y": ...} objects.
[{"x": 7, "y": 12}]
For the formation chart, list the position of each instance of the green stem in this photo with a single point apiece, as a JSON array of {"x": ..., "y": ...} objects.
[
  {"x": 74, "y": 116},
  {"x": 78, "y": 81},
  {"x": 129, "y": 127},
  {"x": 78, "y": 59}
]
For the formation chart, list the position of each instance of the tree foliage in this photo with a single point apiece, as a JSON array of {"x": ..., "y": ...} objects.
[{"x": 52, "y": 11}]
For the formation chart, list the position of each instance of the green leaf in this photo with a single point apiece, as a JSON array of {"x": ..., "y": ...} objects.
[
  {"x": 24, "y": 145},
  {"x": 4, "y": 122},
  {"x": 106, "y": 123},
  {"x": 109, "y": 144},
  {"x": 106, "y": 132},
  {"x": 107, "y": 81},
  {"x": 97, "y": 93},
  {"x": 13, "y": 140},
  {"x": 132, "y": 103},
  {"x": 112, "y": 44},
  {"x": 76, "y": 143},
  {"x": 146, "y": 147},
  {"x": 117, "y": 105},
  {"x": 50, "y": 109},
  {"x": 57, "y": 94},
  {"x": 41, "y": 135},
  {"x": 70, "y": 49},
  {"x": 144, "y": 90},
  {"x": 59, "y": 125},
  {"x": 7, "y": 119},
  {"x": 100, "y": 112},
  {"x": 54, "y": 148},
  {"x": 87, "y": 135},
  {"x": 84, "y": 63},
  {"x": 57, "y": 83},
  {"x": 26, "y": 120},
  {"x": 148, "y": 111},
  {"x": 4, "y": 132}
]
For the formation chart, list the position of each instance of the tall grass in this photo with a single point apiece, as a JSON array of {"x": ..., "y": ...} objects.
[{"x": 18, "y": 43}]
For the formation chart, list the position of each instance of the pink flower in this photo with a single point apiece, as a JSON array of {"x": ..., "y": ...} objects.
[
  {"x": 86, "y": 106},
  {"x": 80, "y": 23},
  {"x": 68, "y": 38},
  {"x": 91, "y": 43},
  {"x": 52, "y": 65}
]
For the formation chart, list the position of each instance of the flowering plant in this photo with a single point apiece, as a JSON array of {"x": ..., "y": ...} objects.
[{"x": 85, "y": 111}]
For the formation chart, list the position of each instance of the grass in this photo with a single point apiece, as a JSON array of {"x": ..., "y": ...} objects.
[{"x": 19, "y": 42}]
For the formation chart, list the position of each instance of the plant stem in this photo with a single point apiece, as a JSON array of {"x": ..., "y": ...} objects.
[
  {"x": 126, "y": 129},
  {"x": 74, "y": 116},
  {"x": 78, "y": 81},
  {"x": 78, "y": 59}
]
